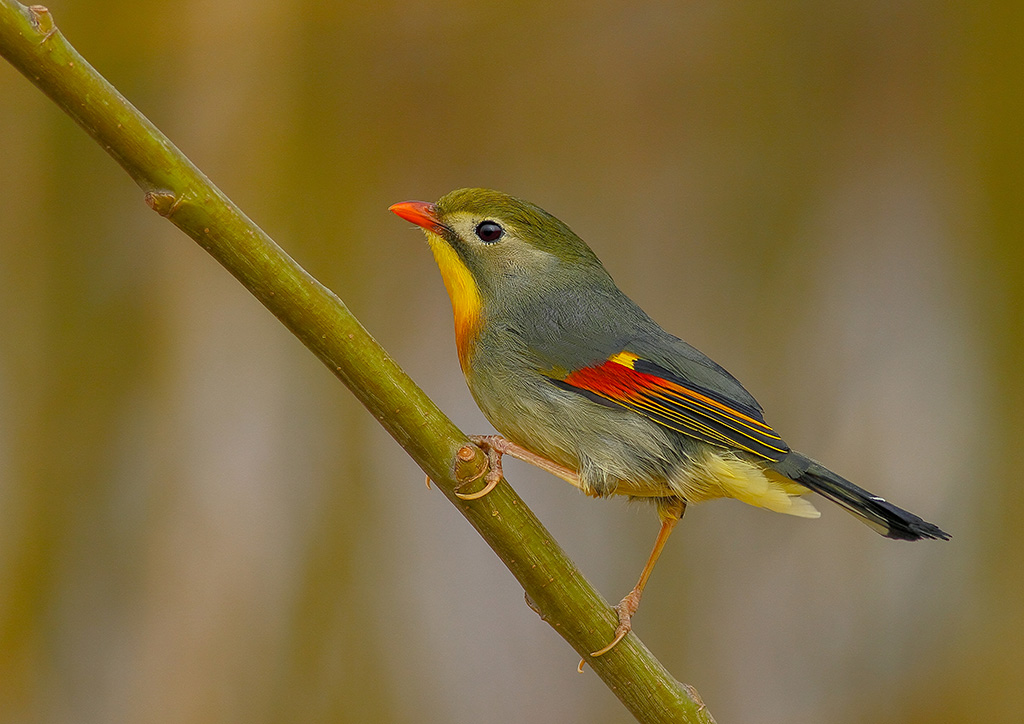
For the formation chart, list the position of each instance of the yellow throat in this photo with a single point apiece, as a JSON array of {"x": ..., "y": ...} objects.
[{"x": 462, "y": 290}]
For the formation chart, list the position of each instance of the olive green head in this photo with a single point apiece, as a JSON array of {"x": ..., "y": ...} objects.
[
  {"x": 497, "y": 254},
  {"x": 501, "y": 240},
  {"x": 493, "y": 224}
]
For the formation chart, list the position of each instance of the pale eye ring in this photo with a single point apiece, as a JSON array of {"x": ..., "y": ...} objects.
[{"x": 489, "y": 231}]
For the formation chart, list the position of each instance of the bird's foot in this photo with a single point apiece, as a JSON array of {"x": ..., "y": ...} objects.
[
  {"x": 626, "y": 608},
  {"x": 493, "y": 447}
]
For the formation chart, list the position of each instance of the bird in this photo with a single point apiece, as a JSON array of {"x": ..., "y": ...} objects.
[{"x": 581, "y": 382}]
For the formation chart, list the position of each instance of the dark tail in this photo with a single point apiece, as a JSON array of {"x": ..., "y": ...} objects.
[{"x": 880, "y": 514}]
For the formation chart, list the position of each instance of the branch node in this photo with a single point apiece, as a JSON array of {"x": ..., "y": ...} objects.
[
  {"x": 701, "y": 706},
  {"x": 533, "y": 606},
  {"x": 163, "y": 202},
  {"x": 42, "y": 20}
]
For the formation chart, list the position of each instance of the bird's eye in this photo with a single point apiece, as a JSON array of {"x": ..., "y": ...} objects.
[{"x": 489, "y": 231}]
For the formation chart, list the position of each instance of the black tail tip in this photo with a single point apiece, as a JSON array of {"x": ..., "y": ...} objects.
[
  {"x": 915, "y": 529},
  {"x": 889, "y": 520}
]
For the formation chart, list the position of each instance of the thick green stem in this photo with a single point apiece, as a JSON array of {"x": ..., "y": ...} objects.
[{"x": 176, "y": 189}]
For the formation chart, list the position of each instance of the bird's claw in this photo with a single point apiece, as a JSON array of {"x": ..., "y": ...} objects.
[
  {"x": 620, "y": 633},
  {"x": 489, "y": 477},
  {"x": 491, "y": 474},
  {"x": 626, "y": 608}
]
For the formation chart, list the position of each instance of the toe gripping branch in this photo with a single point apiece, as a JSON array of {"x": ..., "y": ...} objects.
[{"x": 491, "y": 473}]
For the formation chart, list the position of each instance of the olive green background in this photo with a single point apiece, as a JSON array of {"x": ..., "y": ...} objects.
[{"x": 199, "y": 524}]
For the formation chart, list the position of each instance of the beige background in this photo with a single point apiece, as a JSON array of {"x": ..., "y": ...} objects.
[{"x": 199, "y": 524}]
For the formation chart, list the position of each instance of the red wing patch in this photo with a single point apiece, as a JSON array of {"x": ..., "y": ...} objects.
[{"x": 667, "y": 399}]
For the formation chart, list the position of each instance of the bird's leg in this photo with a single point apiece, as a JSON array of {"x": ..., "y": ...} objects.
[
  {"x": 495, "y": 446},
  {"x": 670, "y": 515},
  {"x": 502, "y": 446}
]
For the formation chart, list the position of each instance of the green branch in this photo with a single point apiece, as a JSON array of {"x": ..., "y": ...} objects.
[{"x": 179, "y": 191}]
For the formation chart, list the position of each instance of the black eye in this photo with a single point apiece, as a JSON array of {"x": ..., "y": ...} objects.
[{"x": 489, "y": 231}]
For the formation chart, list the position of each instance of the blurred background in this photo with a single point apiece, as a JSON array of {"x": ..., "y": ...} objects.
[{"x": 198, "y": 523}]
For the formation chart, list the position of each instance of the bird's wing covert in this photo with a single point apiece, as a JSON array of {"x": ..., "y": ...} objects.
[{"x": 627, "y": 380}]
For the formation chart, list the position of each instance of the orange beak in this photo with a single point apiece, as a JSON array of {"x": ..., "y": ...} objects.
[{"x": 420, "y": 213}]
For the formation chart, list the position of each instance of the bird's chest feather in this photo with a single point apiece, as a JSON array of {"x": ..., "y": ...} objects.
[
  {"x": 614, "y": 451},
  {"x": 519, "y": 401}
]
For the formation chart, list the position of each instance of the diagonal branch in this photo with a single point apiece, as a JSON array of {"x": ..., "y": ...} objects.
[{"x": 179, "y": 191}]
